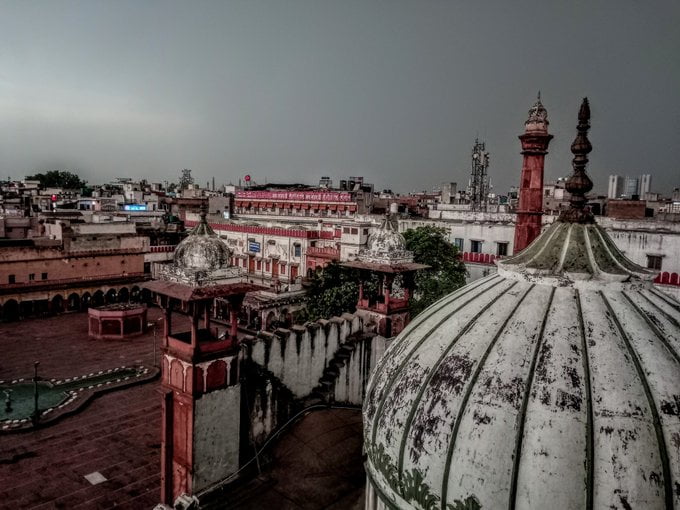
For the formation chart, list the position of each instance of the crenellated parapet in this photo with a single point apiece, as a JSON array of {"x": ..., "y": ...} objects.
[{"x": 298, "y": 356}]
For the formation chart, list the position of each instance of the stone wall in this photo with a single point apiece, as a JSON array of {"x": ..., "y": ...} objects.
[
  {"x": 298, "y": 356},
  {"x": 351, "y": 383},
  {"x": 284, "y": 370}
]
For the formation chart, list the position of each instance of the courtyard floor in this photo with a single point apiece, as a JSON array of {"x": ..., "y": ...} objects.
[
  {"x": 316, "y": 463},
  {"x": 117, "y": 434}
]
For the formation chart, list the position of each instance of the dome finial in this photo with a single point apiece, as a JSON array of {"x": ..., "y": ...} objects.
[
  {"x": 204, "y": 212},
  {"x": 579, "y": 183}
]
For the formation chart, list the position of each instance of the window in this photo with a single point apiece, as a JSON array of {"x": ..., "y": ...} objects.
[
  {"x": 355, "y": 231},
  {"x": 283, "y": 269},
  {"x": 259, "y": 265},
  {"x": 12, "y": 278},
  {"x": 476, "y": 246},
  {"x": 459, "y": 242},
  {"x": 267, "y": 267},
  {"x": 365, "y": 231},
  {"x": 31, "y": 277},
  {"x": 345, "y": 230},
  {"x": 297, "y": 250},
  {"x": 44, "y": 276},
  {"x": 501, "y": 249},
  {"x": 654, "y": 262}
]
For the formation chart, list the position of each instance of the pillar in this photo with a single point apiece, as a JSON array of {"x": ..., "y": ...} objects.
[
  {"x": 235, "y": 303},
  {"x": 201, "y": 419}
]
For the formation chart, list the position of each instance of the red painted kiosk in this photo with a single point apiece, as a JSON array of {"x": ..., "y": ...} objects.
[{"x": 117, "y": 322}]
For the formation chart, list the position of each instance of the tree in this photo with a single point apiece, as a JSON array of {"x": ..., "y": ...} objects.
[
  {"x": 333, "y": 291},
  {"x": 447, "y": 272},
  {"x": 58, "y": 179}
]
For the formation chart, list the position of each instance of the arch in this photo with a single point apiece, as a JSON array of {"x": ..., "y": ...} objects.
[
  {"x": 286, "y": 318},
  {"x": 146, "y": 295},
  {"x": 97, "y": 299},
  {"x": 57, "y": 304},
  {"x": 271, "y": 319},
  {"x": 123, "y": 295},
  {"x": 73, "y": 303},
  {"x": 134, "y": 294},
  {"x": 110, "y": 296},
  {"x": 10, "y": 311},
  {"x": 86, "y": 301},
  {"x": 26, "y": 308},
  {"x": 674, "y": 279},
  {"x": 41, "y": 307}
]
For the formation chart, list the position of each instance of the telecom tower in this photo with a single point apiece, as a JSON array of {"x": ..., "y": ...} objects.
[{"x": 479, "y": 180}]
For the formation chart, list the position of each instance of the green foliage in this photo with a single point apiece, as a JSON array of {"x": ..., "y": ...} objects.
[
  {"x": 447, "y": 272},
  {"x": 333, "y": 291},
  {"x": 411, "y": 485},
  {"x": 58, "y": 179},
  {"x": 470, "y": 503},
  {"x": 414, "y": 489}
]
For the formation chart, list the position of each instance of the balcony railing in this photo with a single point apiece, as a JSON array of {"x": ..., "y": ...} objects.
[
  {"x": 163, "y": 249},
  {"x": 667, "y": 278},
  {"x": 323, "y": 252},
  {"x": 480, "y": 258}
]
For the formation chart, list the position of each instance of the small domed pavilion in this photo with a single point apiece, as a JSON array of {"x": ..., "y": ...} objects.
[
  {"x": 552, "y": 384},
  {"x": 199, "y": 366},
  {"x": 386, "y": 256}
]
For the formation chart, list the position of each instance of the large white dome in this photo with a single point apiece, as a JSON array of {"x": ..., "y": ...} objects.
[
  {"x": 552, "y": 384},
  {"x": 527, "y": 391}
]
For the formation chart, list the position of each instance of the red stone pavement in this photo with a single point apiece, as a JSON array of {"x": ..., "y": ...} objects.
[
  {"x": 317, "y": 463},
  {"x": 117, "y": 434}
]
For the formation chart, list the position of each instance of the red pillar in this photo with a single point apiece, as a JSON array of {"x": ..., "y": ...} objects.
[
  {"x": 235, "y": 303},
  {"x": 535, "y": 142}
]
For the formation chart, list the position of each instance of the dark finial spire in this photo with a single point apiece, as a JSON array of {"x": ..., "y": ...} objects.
[
  {"x": 203, "y": 228},
  {"x": 579, "y": 183},
  {"x": 539, "y": 96},
  {"x": 204, "y": 212}
]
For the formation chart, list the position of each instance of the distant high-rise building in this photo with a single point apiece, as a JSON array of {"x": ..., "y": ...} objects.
[
  {"x": 631, "y": 187},
  {"x": 616, "y": 186},
  {"x": 645, "y": 184},
  {"x": 627, "y": 187}
]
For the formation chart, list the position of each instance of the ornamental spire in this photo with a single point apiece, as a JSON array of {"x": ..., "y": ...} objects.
[
  {"x": 203, "y": 228},
  {"x": 538, "y": 117},
  {"x": 579, "y": 183}
]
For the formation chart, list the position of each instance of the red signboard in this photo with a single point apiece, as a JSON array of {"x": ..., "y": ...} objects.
[{"x": 305, "y": 196}]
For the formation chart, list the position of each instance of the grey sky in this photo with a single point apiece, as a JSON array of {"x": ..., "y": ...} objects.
[{"x": 292, "y": 90}]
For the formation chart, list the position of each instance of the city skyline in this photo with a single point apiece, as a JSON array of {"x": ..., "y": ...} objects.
[{"x": 296, "y": 92}]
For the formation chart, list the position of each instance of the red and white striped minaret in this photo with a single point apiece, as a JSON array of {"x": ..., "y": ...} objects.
[{"x": 535, "y": 142}]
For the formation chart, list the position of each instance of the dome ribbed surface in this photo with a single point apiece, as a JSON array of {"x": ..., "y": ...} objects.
[
  {"x": 202, "y": 250},
  {"x": 385, "y": 245},
  {"x": 553, "y": 384}
]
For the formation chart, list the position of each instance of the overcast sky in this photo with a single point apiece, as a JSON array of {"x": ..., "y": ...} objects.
[{"x": 289, "y": 90}]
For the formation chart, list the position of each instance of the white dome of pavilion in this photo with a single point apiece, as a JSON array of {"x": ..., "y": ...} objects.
[
  {"x": 202, "y": 249},
  {"x": 385, "y": 245}
]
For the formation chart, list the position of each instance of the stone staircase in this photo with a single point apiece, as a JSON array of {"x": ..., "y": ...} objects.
[{"x": 323, "y": 393}]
